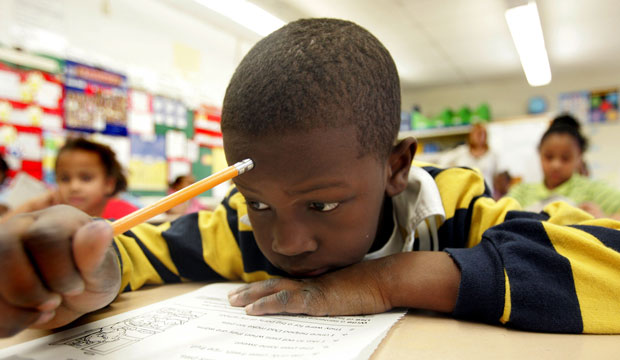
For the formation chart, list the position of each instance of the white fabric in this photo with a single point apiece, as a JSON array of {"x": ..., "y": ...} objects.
[{"x": 417, "y": 210}]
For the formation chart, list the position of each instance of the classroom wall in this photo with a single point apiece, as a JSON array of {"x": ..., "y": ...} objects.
[
  {"x": 508, "y": 97},
  {"x": 158, "y": 47}
]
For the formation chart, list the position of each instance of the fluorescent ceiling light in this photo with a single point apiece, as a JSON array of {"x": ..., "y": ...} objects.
[
  {"x": 524, "y": 25},
  {"x": 246, "y": 14}
]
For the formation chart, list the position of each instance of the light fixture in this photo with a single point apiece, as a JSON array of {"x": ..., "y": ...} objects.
[
  {"x": 524, "y": 25},
  {"x": 246, "y": 14}
]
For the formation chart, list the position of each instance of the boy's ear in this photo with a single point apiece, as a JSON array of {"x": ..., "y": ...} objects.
[{"x": 399, "y": 164}]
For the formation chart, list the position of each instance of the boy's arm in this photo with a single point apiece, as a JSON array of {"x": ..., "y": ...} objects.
[
  {"x": 536, "y": 273},
  {"x": 57, "y": 265},
  {"x": 424, "y": 279},
  {"x": 204, "y": 246}
]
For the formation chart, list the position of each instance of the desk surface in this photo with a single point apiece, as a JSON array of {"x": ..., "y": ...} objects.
[{"x": 418, "y": 335}]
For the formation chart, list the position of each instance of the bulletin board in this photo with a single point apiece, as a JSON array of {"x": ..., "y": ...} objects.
[
  {"x": 30, "y": 102},
  {"x": 515, "y": 142},
  {"x": 602, "y": 154},
  {"x": 95, "y": 99}
]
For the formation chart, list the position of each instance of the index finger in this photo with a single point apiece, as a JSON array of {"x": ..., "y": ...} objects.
[
  {"x": 48, "y": 241},
  {"x": 19, "y": 283}
]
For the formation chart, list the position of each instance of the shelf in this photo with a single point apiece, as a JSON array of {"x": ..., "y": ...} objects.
[
  {"x": 436, "y": 132},
  {"x": 29, "y": 60}
]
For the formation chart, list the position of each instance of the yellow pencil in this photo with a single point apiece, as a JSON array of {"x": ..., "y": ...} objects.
[{"x": 139, "y": 216}]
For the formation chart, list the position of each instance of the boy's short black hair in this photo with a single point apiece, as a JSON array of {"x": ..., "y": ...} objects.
[
  {"x": 317, "y": 73},
  {"x": 106, "y": 154}
]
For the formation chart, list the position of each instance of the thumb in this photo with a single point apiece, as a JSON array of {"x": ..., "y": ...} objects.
[{"x": 90, "y": 245}]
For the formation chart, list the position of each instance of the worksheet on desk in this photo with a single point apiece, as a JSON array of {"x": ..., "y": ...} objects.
[{"x": 202, "y": 325}]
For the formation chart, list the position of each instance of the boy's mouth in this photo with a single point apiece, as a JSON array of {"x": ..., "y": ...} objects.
[{"x": 308, "y": 273}]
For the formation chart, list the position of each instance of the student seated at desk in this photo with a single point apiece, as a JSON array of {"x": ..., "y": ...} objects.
[
  {"x": 561, "y": 151},
  {"x": 334, "y": 216},
  {"x": 89, "y": 177},
  {"x": 188, "y": 207}
]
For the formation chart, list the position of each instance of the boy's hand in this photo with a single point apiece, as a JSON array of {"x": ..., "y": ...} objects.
[
  {"x": 356, "y": 289},
  {"x": 421, "y": 279},
  {"x": 56, "y": 265}
]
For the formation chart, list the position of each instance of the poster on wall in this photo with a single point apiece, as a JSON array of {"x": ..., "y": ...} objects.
[
  {"x": 21, "y": 147},
  {"x": 169, "y": 113},
  {"x": 148, "y": 168},
  {"x": 53, "y": 140},
  {"x": 140, "y": 113},
  {"x": 30, "y": 98},
  {"x": 576, "y": 103},
  {"x": 604, "y": 106},
  {"x": 95, "y": 99},
  {"x": 207, "y": 130},
  {"x": 203, "y": 166}
]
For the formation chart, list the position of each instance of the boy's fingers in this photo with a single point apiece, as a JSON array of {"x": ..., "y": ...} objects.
[
  {"x": 249, "y": 293},
  {"x": 302, "y": 301},
  {"x": 19, "y": 283},
  {"x": 14, "y": 320},
  {"x": 90, "y": 246},
  {"x": 51, "y": 252},
  {"x": 276, "y": 296}
]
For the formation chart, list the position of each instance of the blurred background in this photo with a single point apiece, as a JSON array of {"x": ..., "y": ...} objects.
[{"x": 147, "y": 77}]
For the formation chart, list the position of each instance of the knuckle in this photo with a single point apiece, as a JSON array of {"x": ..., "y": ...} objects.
[
  {"x": 270, "y": 284},
  {"x": 43, "y": 237},
  {"x": 283, "y": 297},
  {"x": 313, "y": 299}
]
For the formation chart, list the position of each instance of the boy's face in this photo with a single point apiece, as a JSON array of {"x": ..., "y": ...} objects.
[{"x": 313, "y": 203}]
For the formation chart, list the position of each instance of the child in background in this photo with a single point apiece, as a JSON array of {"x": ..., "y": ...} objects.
[
  {"x": 88, "y": 177},
  {"x": 188, "y": 207},
  {"x": 561, "y": 151},
  {"x": 476, "y": 154},
  {"x": 333, "y": 217}
]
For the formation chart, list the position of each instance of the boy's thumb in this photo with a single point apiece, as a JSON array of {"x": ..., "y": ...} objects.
[{"x": 90, "y": 245}]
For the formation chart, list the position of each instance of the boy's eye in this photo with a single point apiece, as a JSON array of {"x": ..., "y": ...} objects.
[
  {"x": 324, "y": 207},
  {"x": 257, "y": 205}
]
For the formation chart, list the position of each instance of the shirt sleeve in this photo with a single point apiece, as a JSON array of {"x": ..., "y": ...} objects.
[
  {"x": 203, "y": 246},
  {"x": 554, "y": 271},
  {"x": 606, "y": 196}
]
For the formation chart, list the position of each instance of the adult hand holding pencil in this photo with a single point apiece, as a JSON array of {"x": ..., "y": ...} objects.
[{"x": 139, "y": 216}]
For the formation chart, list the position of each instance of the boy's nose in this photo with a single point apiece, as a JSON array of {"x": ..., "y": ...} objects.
[{"x": 291, "y": 238}]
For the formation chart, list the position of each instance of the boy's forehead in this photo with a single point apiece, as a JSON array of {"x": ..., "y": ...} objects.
[
  {"x": 341, "y": 141},
  {"x": 297, "y": 154}
]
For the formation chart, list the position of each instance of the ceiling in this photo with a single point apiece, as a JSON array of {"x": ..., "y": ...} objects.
[{"x": 446, "y": 42}]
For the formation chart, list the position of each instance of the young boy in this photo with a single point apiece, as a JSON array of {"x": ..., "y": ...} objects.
[{"x": 333, "y": 206}]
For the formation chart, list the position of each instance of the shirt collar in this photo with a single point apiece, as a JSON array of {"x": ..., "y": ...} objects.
[{"x": 420, "y": 201}]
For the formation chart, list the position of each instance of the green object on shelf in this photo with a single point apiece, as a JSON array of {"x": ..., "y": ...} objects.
[
  {"x": 482, "y": 114},
  {"x": 445, "y": 118},
  {"x": 463, "y": 116},
  {"x": 419, "y": 121}
]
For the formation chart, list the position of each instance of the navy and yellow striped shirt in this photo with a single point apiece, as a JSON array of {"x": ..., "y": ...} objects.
[{"x": 556, "y": 271}]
